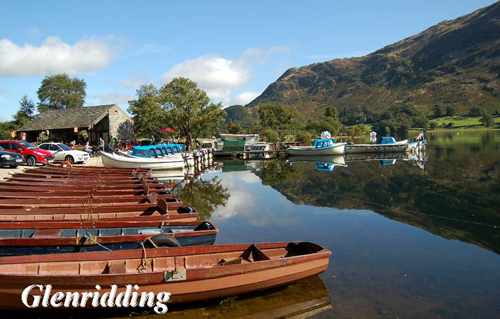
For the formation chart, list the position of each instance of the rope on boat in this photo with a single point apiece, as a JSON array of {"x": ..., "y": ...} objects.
[
  {"x": 89, "y": 237},
  {"x": 144, "y": 258},
  {"x": 418, "y": 213}
]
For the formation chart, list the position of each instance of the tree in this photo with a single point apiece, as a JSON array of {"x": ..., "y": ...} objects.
[
  {"x": 278, "y": 118},
  {"x": 477, "y": 111},
  {"x": 25, "y": 112},
  {"x": 487, "y": 120},
  {"x": 61, "y": 92},
  {"x": 303, "y": 136},
  {"x": 433, "y": 125},
  {"x": 189, "y": 109},
  {"x": 147, "y": 112},
  {"x": 450, "y": 110},
  {"x": 234, "y": 128},
  {"x": 438, "y": 110},
  {"x": 269, "y": 135}
]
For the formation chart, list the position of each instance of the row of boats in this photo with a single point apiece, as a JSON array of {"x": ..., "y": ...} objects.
[
  {"x": 161, "y": 156},
  {"x": 82, "y": 228},
  {"x": 327, "y": 146}
]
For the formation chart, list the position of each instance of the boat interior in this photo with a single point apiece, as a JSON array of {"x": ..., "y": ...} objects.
[{"x": 137, "y": 265}]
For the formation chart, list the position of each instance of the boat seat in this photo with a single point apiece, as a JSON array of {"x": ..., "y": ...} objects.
[
  {"x": 47, "y": 233},
  {"x": 224, "y": 262},
  {"x": 116, "y": 267},
  {"x": 253, "y": 253}
]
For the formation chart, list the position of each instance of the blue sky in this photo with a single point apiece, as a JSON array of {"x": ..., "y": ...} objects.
[{"x": 233, "y": 49}]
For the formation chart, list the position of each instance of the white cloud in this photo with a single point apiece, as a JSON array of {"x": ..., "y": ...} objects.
[
  {"x": 55, "y": 56},
  {"x": 242, "y": 98},
  {"x": 33, "y": 32},
  {"x": 136, "y": 82},
  {"x": 137, "y": 78},
  {"x": 216, "y": 75},
  {"x": 220, "y": 76},
  {"x": 112, "y": 98}
]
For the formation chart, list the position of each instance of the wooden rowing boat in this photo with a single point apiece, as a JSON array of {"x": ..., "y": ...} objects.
[
  {"x": 146, "y": 210},
  {"x": 188, "y": 273},
  {"x": 35, "y": 238}
]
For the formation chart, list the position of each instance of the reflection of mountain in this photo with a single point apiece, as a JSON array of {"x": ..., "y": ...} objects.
[
  {"x": 204, "y": 195},
  {"x": 457, "y": 192}
]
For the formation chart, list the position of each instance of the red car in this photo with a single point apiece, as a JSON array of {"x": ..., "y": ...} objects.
[{"x": 31, "y": 153}]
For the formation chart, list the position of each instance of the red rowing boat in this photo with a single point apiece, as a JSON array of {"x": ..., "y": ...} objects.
[{"x": 187, "y": 273}]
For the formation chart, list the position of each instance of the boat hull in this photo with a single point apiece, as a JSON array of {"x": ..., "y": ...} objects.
[
  {"x": 199, "y": 283},
  {"x": 400, "y": 146},
  {"x": 337, "y": 149},
  {"x": 118, "y": 161}
]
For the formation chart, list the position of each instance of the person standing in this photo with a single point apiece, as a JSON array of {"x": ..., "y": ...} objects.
[
  {"x": 373, "y": 137},
  {"x": 101, "y": 144}
]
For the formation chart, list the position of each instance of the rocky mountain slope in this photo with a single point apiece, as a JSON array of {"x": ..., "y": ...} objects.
[{"x": 453, "y": 63}]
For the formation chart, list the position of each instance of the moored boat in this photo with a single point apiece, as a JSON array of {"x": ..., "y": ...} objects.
[
  {"x": 34, "y": 238},
  {"x": 387, "y": 145},
  {"x": 120, "y": 161},
  {"x": 320, "y": 147},
  {"x": 187, "y": 273}
]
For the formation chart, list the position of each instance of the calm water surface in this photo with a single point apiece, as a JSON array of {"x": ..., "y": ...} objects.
[{"x": 409, "y": 238}]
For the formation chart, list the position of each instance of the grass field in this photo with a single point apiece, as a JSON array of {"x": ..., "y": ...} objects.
[{"x": 464, "y": 122}]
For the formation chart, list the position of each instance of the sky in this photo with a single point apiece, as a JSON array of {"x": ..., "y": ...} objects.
[{"x": 232, "y": 49}]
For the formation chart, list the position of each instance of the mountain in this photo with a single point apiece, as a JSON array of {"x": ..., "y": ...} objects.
[{"x": 455, "y": 63}]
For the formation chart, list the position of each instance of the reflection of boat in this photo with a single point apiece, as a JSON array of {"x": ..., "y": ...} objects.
[
  {"x": 187, "y": 273},
  {"x": 301, "y": 299},
  {"x": 320, "y": 147},
  {"x": 338, "y": 160},
  {"x": 170, "y": 174},
  {"x": 388, "y": 144},
  {"x": 120, "y": 161},
  {"x": 322, "y": 163}
]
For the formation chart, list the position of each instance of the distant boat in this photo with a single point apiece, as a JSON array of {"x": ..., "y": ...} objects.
[
  {"x": 121, "y": 161},
  {"x": 187, "y": 273},
  {"x": 319, "y": 147},
  {"x": 387, "y": 145}
]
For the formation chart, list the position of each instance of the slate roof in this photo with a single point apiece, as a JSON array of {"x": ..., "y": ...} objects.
[{"x": 68, "y": 118}]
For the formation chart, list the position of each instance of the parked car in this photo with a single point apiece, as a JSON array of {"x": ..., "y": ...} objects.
[
  {"x": 31, "y": 153},
  {"x": 9, "y": 159},
  {"x": 63, "y": 152}
]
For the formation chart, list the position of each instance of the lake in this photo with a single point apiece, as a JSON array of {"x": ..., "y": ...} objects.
[{"x": 410, "y": 237}]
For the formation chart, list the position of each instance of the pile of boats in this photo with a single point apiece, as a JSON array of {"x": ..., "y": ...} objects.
[
  {"x": 88, "y": 228},
  {"x": 161, "y": 156}
]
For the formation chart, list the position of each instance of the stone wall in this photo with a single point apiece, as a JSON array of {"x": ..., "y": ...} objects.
[{"x": 121, "y": 125}]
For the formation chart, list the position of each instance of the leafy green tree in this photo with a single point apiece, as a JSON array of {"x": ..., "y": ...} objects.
[
  {"x": 147, "y": 112},
  {"x": 6, "y": 128},
  {"x": 234, "y": 128},
  {"x": 25, "y": 112},
  {"x": 303, "y": 136},
  {"x": 438, "y": 110},
  {"x": 450, "y": 111},
  {"x": 329, "y": 122},
  {"x": 487, "y": 120},
  {"x": 477, "y": 111},
  {"x": 433, "y": 125},
  {"x": 189, "y": 109},
  {"x": 278, "y": 118},
  {"x": 269, "y": 134},
  {"x": 61, "y": 92}
]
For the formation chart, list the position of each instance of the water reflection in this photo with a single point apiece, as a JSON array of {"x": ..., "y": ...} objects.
[
  {"x": 203, "y": 194},
  {"x": 416, "y": 238}
]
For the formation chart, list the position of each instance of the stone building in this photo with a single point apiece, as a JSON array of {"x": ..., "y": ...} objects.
[{"x": 66, "y": 125}]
